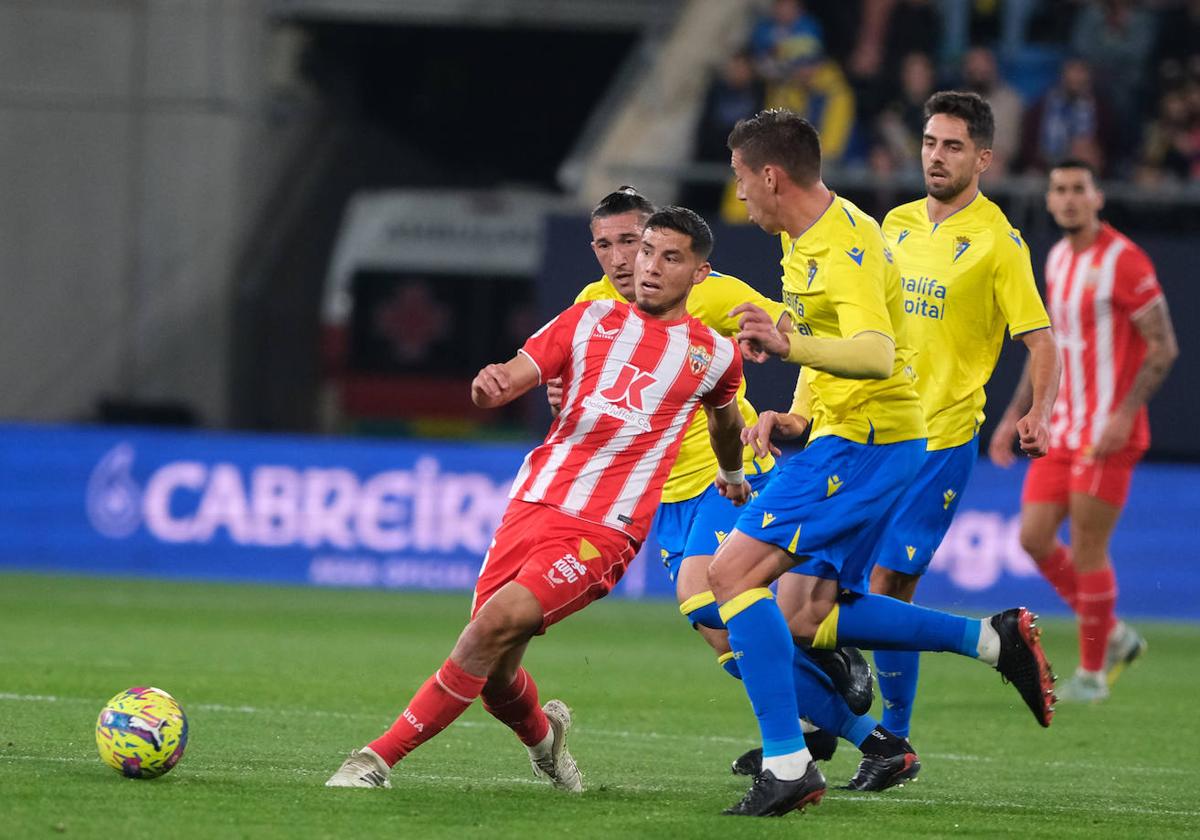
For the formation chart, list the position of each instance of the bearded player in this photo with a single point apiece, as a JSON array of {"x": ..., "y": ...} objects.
[
  {"x": 634, "y": 376},
  {"x": 1118, "y": 345}
]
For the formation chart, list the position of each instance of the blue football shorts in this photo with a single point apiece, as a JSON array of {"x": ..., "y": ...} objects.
[{"x": 828, "y": 505}]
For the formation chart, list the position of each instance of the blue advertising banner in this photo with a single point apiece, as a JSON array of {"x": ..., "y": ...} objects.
[{"x": 419, "y": 515}]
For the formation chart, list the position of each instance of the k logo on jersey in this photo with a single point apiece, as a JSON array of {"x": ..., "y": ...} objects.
[
  {"x": 627, "y": 389},
  {"x": 698, "y": 359},
  {"x": 768, "y": 518},
  {"x": 609, "y": 333},
  {"x": 961, "y": 244},
  {"x": 834, "y": 484},
  {"x": 948, "y": 499}
]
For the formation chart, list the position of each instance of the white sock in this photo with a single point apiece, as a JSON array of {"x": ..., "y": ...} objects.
[
  {"x": 988, "y": 644},
  {"x": 788, "y": 767},
  {"x": 544, "y": 748}
]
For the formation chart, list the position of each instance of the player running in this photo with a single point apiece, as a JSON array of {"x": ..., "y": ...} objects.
[
  {"x": 966, "y": 276},
  {"x": 693, "y": 518},
  {"x": 634, "y": 375},
  {"x": 1118, "y": 345},
  {"x": 823, "y": 514}
]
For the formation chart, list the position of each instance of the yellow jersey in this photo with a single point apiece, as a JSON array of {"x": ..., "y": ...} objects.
[
  {"x": 711, "y": 301},
  {"x": 838, "y": 281},
  {"x": 964, "y": 279}
]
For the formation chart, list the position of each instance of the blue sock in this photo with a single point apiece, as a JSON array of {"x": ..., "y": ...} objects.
[
  {"x": 818, "y": 702},
  {"x": 897, "y": 671},
  {"x": 708, "y": 615},
  {"x": 762, "y": 644},
  {"x": 729, "y": 663},
  {"x": 877, "y": 622}
]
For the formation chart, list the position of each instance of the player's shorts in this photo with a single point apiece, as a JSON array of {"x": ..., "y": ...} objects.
[
  {"x": 828, "y": 505},
  {"x": 1065, "y": 471},
  {"x": 696, "y": 526},
  {"x": 565, "y": 562},
  {"x": 922, "y": 516}
]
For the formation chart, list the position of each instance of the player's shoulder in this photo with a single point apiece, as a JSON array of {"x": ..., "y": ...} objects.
[
  {"x": 601, "y": 289},
  {"x": 905, "y": 215},
  {"x": 1132, "y": 255},
  {"x": 989, "y": 220}
]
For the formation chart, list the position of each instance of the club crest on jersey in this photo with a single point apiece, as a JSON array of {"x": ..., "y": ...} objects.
[
  {"x": 812, "y": 272},
  {"x": 698, "y": 359},
  {"x": 961, "y": 244}
]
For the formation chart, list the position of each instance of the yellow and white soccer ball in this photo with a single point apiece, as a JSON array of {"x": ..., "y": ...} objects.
[{"x": 142, "y": 732}]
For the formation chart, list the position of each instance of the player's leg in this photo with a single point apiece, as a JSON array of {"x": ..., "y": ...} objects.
[
  {"x": 915, "y": 529},
  {"x": 1092, "y": 524},
  {"x": 1044, "y": 498},
  {"x": 503, "y": 624}
]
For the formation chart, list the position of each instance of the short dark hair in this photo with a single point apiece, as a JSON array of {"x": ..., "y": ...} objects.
[
  {"x": 1077, "y": 163},
  {"x": 685, "y": 221},
  {"x": 969, "y": 107},
  {"x": 781, "y": 137},
  {"x": 624, "y": 199}
]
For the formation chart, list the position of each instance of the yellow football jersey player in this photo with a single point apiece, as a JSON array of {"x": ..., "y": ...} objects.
[
  {"x": 839, "y": 280},
  {"x": 963, "y": 280},
  {"x": 711, "y": 301}
]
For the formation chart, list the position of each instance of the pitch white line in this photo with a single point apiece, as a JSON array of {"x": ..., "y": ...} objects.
[{"x": 581, "y": 729}]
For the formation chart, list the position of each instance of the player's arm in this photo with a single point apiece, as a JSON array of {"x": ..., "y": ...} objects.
[
  {"x": 786, "y": 426},
  {"x": 498, "y": 385},
  {"x": 1033, "y": 429},
  {"x": 1154, "y": 324},
  {"x": 1000, "y": 448},
  {"x": 866, "y": 355},
  {"x": 725, "y": 426}
]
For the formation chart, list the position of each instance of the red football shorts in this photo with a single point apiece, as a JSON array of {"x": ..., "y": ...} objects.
[
  {"x": 1065, "y": 471},
  {"x": 565, "y": 562}
]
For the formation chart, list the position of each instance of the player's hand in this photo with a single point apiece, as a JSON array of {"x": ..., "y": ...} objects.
[
  {"x": 1000, "y": 449},
  {"x": 758, "y": 436},
  {"x": 760, "y": 330},
  {"x": 554, "y": 393},
  {"x": 490, "y": 386},
  {"x": 1115, "y": 435},
  {"x": 1034, "y": 435},
  {"x": 739, "y": 493},
  {"x": 752, "y": 352}
]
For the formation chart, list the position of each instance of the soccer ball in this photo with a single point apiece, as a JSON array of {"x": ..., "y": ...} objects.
[{"x": 142, "y": 732}]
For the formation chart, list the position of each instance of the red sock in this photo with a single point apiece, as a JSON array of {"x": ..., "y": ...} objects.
[
  {"x": 517, "y": 708},
  {"x": 1097, "y": 608},
  {"x": 437, "y": 703},
  {"x": 1057, "y": 568}
]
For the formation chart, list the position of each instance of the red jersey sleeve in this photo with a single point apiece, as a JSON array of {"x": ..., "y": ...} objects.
[
  {"x": 726, "y": 389},
  {"x": 1135, "y": 285},
  {"x": 550, "y": 347}
]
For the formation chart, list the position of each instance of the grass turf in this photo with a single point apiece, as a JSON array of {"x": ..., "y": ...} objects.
[{"x": 280, "y": 683}]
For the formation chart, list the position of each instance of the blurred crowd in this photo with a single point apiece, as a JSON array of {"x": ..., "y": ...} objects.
[{"x": 1114, "y": 82}]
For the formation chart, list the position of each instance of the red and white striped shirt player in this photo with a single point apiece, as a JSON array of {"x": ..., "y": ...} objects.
[
  {"x": 631, "y": 385},
  {"x": 582, "y": 503},
  {"x": 1094, "y": 297}
]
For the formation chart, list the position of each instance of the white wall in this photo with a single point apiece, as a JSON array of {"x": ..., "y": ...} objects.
[{"x": 132, "y": 135}]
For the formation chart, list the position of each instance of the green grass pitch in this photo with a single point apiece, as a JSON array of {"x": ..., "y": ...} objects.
[{"x": 279, "y": 683}]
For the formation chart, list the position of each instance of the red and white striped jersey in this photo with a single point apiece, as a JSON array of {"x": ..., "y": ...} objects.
[
  {"x": 1093, "y": 298},
  {"x": 631, "y": 384}
]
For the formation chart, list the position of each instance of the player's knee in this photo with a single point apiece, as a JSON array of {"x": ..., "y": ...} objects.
[{"x": 1036, "y": 542}]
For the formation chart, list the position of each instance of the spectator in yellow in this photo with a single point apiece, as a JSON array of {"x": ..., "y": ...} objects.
[{"x": 815, "y": 88}]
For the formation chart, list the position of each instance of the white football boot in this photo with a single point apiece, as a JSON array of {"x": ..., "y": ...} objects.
[
  {"x": 1124, "y": 646},
  {"x": 363, "y": 769},
  {"x": 558, "y": 767},
  {"x": 1084, "y": 687}
]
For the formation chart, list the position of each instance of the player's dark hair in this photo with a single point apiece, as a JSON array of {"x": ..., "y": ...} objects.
[
  {"x": 685, "y": 221},
  {"x": 624, "y": 199},
  {"x": 969, "y": 107},
  {"x": 780, "y": 137},
  {"x": 1077, "y": 163}
]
